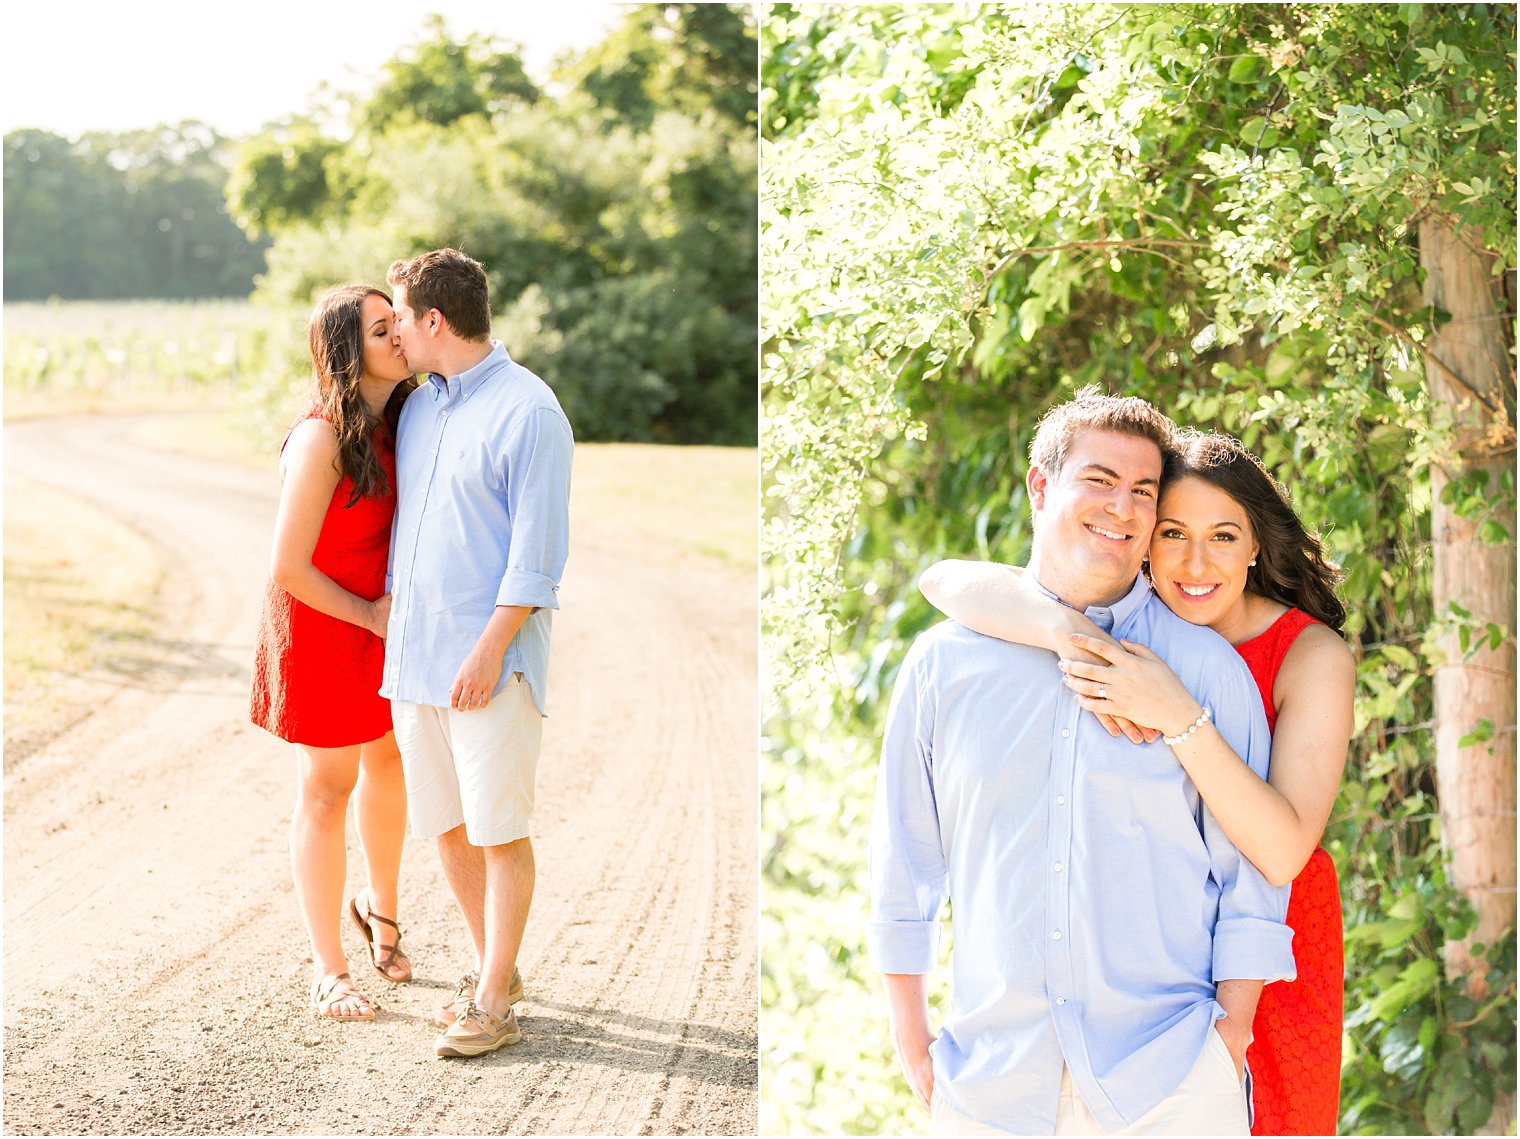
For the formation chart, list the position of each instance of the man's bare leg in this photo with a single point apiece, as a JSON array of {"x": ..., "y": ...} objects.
[
  {"x": 464, "y": 866},
  {"x": 509, "y": 874}
]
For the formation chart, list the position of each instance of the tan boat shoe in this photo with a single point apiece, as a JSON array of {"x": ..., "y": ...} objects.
[
  {"x": 464, "y": 994},
  {"x": 477, "y": 1032}
]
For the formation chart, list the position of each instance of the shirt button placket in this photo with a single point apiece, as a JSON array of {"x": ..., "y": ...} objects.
[{"x": 1061, "y": 976}]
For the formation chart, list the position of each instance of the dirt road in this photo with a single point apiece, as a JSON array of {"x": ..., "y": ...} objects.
[{"x": 155, "y": 968}]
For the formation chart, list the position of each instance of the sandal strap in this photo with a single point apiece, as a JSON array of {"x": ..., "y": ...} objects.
[
  {"x": 329, "y": 985},
  {"x": 372, "y": 916}
]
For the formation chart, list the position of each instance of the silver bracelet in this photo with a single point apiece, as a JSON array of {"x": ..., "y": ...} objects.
[{"x": 1203, "y": 718}]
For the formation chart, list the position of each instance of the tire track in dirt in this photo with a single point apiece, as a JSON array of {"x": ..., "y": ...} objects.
[
  {"x": 154, "y": 962},
  {"x": 622, "y": 911}
]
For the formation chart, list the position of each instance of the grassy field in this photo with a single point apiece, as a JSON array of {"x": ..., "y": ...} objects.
[
  {"x": 131, "y": 352},
  {"x": 686, "y": 500},
  {"x": 79, "y": 588},
  {"x": 235, "y": 369}
]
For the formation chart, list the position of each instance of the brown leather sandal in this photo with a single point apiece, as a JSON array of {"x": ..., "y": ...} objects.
[
  {"x": 382, "y": 957},
  {"x": 336, "y": 989}
]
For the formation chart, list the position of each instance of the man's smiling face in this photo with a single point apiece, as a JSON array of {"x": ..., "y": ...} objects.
[{"x": 1093, "y": 518}]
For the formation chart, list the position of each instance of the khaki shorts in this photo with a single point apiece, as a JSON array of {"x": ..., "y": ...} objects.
[
  {"x": 475, "y": 767},
  {"x": 1211, "y": 1100}
]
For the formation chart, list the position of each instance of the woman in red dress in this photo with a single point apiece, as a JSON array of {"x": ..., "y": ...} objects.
[
  {"x": 1229, "y": 552},
  {"x": 321, "y": 643}
]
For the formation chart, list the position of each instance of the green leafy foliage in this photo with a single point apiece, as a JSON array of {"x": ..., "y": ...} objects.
[
  {"x": 966, "y": 219},
  {"x": 440, "y": 81},
  {"x": 281, "y": 176},
  {"x": 633, "y": 76},
  {"x": 617, "y": 228}
]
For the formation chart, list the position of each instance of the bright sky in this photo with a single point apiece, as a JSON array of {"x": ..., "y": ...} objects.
[{"x": 78, "y": 65}]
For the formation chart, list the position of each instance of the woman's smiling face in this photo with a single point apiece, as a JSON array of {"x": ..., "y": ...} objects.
[{"x": 1200, "y": 551}]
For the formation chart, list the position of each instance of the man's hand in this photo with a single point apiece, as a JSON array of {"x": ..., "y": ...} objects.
[
  {"x": 1238, "y": 998},
  {"x": 908, "y": 1011},
  {"x": 477, "y": 676},
  {"x": 476, "y": 680},
  {"x": 919, "y": 1067},
  {"x": 1236, "y": 1039}
]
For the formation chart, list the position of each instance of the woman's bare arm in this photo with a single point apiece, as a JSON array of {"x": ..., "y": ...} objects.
[
  {"x": 310, "y": 477},
  {"x": 1276, "y": 823},
  {"x": 1002, "y": 601},
  {"x": 999, "y": 601}
]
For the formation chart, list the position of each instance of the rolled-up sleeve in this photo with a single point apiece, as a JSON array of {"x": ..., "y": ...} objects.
[
  {"x": 538, "y": 497},
  {"x": 908, "y": 871},
  {"x": 1252, "y": 940}
]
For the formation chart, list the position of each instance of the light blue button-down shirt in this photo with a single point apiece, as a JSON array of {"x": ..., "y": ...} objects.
[
  {"x": 482, "y": 519},
  {"x": 1095, "y": 901}
]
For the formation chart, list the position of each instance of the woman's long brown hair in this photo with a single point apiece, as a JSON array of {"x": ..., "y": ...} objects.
[
  {"x": 336, "y": 337},
  {"x": 1291, "y": 568}
]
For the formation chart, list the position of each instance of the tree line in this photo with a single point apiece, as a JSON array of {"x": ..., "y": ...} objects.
[
  {"x": 124, "y": 215},
  {"x": 615, "y": 211}
]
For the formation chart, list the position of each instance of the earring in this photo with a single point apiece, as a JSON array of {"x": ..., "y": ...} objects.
[{"x": 1253, "y": 561}]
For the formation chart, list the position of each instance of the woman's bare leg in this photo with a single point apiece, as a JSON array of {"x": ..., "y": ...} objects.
[
  {"x": 325, "y": 778},
  {"x": 381, "y": 808}
]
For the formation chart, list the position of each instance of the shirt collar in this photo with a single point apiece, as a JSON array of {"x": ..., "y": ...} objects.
[
  {"x": 467, "y": 381},
  {"x": 1123, "y": 611},
  {"x": 1117, "y": 615}
]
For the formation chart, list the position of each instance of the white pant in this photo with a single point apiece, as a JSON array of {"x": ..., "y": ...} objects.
[
  {"x": 475, "y": 767},
  {"x": 1211, "y": 1100}
]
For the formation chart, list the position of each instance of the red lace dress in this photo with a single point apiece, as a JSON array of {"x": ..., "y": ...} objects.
[
  {"x": 316, "y": 679},
  {"x": 1295, "y": 1057}
]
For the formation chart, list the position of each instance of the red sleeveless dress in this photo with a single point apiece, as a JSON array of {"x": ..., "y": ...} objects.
[
  {"x": 316, "y": 679},
  {"x": 1295, "y": 1057}
]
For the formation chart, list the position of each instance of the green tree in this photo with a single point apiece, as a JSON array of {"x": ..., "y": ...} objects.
[
  {"x": 440, "y": 80},
  {"x": 57, "y": 202},
  {"x": 621, "y": 251},
  {"x": 685, "y": 57},
  {"x": 118, "y": 215},
  {"x": 280, "y": 176},
  {"x": 296, "y": 171},
  {"x": 1223, "y": 209}
]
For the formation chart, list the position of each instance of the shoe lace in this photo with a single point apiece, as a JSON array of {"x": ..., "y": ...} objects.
[{"x": 473, "y": 1012}]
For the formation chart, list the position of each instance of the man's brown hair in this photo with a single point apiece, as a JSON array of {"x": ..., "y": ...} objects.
[
  {"x": 451, "y": 282},
  {"x": 1091, "y": 410}
]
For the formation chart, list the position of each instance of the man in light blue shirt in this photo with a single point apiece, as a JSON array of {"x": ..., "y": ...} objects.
[
  {"x": 478, "y": 544},
  {"x": 1102, "y": 921}
]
